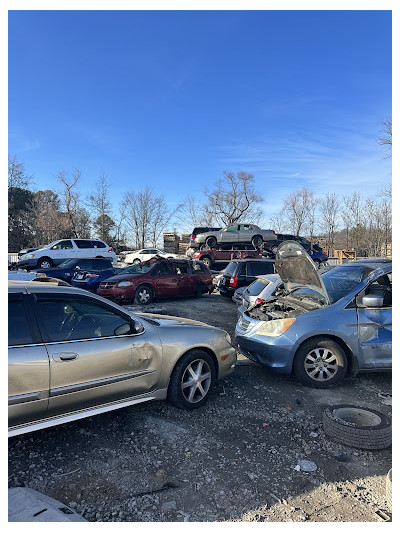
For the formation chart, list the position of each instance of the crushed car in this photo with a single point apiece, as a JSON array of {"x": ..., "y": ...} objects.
[{"x": 323, "y": 326}]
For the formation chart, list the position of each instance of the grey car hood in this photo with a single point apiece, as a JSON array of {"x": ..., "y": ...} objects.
[
  {"x": 297, "y": 269},
  {"x": 167, "y": 320}
]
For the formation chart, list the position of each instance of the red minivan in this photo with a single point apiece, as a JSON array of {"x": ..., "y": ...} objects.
[{"x": 159, "y": 278}]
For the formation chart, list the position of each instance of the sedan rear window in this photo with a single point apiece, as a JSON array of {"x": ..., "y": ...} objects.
[{"x": 256, "y": 287}]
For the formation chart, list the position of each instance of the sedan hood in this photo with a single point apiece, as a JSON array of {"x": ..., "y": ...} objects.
[
  {"x": 297, "y": 269},
  {"x": 167, "y": 320}
]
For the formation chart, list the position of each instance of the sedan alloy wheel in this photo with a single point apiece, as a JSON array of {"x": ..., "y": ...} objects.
[{"x": 196, "y": 381}]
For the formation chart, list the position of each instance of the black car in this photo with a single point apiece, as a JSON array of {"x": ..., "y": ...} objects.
[
  {"x": 68, "y": 268},
  {"x": 270, "y": 247},
  {"x": 242, "y": 272}
]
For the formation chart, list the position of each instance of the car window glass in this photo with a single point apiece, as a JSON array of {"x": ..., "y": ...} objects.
[
  {"x": 18, "y": 326},
  {"x": 181, "y": 268},
  {"x": 85, "y": 264},
  {"x": 62, "y": 245},
  {"x": 235, "y": 227},
  {"x": 256, "y": 269},
  {"x": 98, "y": 244},
  {"x": 245, "y": 227},
  {"x": 382, "y": 286},
  {"x": 162, "y": 270},
  {"x": 231, "y": 268},
  {"x": 69, "y": 263},
  {"x": 256, "y": 287},
  {"x": 83, "y": 243},
  {"x": 73, "y": 319}
]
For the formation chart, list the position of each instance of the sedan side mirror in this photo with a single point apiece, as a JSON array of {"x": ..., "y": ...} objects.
[
  {"x": 134, "y": 327},
  {"x": 372, "y": 301}
]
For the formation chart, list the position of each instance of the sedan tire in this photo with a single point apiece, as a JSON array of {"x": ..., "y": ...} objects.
[
  {"x": 192, "y": 380},
  {"x": 257, "y": 241},
  {"x": 320, "y": 363},
  {"x": 144, "y": 294},
  {"x": 207, "y": 261},
  {"x": 211, "y": 242}
]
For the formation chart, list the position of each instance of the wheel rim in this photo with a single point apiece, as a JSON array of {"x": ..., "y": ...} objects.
[
  {"x": 257, "y": 242},
  {"x": 144, "y": 296},
  {"x": 274, "y": 249},
  {"x": 45, "y": 264},
  {"x": 321, "y": 364},
  {"x": 136, "y": 261},
  {"x": 196, "y": 381}
]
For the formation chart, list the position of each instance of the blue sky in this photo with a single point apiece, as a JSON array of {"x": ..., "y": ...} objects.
[{"x": 171, "y": 99}]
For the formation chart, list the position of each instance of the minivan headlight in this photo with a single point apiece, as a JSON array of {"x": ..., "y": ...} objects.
[
  {"x": 124, "y": 284},
  {"x": 28, "y": 256},
  {"x": 275, "y": 328}
]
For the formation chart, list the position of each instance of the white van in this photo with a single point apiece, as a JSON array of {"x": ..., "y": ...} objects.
[{"x": 58, "y": 251}]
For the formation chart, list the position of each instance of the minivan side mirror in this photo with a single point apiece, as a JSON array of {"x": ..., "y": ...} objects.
[{"x": 372, "y": 301}]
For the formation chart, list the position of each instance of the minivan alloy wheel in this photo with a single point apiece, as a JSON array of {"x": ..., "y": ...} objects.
[
  {"x": 143, "y": 295},
  {"x": 196, "y": 381},
  {"x": 321, "y": 364}
]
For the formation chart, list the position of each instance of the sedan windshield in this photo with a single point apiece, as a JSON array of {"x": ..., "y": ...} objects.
[{"x": 69, "y": 263}]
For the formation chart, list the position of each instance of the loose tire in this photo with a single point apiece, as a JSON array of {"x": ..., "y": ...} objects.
[
  {"x": 320, "y": 363},
  {"x": 144, "y": 294},
  {"x": 257, "y": 241},
  {"x": 207, "y": 261},
  {"x": 358, "y": 427},
  {"x": 192, "y": 380},
  {"x": 45, "y": 262},
  {"x": 211, "y": 242}
]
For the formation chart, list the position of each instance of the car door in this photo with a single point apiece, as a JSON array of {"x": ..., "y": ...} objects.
[
  {"x": 185, "y": 280},
  {"x": 165, "y": 280},
  {"x": 63, "y": 250},
  {"x": 230, "y": 234},
  {"x": 28, "y": 364},
  {"x": 91, "y": 361},
  {"x": 246, "y": 233},
  {"x": 375, "y": 326}
]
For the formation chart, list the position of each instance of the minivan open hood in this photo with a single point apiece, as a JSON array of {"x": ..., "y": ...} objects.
[{"x": 297, "y": 269}]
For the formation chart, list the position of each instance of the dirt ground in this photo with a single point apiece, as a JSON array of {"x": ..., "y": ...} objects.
[{"x": 233, "y": 460}]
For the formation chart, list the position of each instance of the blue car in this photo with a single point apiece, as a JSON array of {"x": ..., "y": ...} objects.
[
  {"x": 66, "y": 270},
  {"x": 317, "y": 255},
  {"x": 91, "y": 279},
  {"x": 324, "y": 326}
]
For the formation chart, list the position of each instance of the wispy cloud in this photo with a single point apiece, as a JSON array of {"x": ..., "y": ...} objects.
[{"x": 22, "y": 143}]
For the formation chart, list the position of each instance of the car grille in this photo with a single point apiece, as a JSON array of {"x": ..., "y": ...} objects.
[
  {"x": 107, "y": 284},
  {"x": 243, "y": 323}
]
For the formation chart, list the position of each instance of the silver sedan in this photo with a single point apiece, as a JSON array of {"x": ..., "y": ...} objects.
[
  {"x": 73, "y": 354},
  {"x": 237, "y": 233}
]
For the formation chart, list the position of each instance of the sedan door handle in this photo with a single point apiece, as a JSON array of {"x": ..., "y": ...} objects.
[{"x": 65, "y": 356}]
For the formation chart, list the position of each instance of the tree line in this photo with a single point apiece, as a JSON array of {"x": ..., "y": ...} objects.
[{"x": 39, "y": 217}]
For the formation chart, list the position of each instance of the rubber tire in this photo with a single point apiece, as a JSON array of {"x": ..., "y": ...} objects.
[
  {"x": 204, "y": 247},
  {"x": 389, "y": 489},
  {"x": 150, "y": 291},
  {"x": 211, "y": 242},
  {"x": 207, "y": 261},
  {"x": 257, "y": 241},
  {"x": 174, "y": 395},
  {"x": 135, "y": 261},
  {"x": 319, "y": 342},
  {"x": 274, "y": 249},
  {"x": 43, "y": 260},
  {"x": 350, "y": 433}
]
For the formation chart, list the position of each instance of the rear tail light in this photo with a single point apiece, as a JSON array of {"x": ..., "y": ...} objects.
[
  {"x": 110, "y": 250},
  {"x": 233, "y": 281},
  {"x": 192, "y": 238},
  {"x": 259, "y": 301},
  {"x": 273, "y": 232}
]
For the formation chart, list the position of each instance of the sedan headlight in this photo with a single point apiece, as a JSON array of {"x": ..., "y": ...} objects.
[
  {"x": 124, "y": 284},
  {"x": 275, "y": 328}
]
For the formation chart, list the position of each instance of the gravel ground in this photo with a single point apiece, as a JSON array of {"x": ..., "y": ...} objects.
[{"x": 233, "y": 460}]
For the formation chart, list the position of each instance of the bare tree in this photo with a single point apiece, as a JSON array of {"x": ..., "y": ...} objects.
[
  {"x": 17, "y": 175},
  {"x": 147, "y": 216},
  {"x": 386, "y": 139},
  {"x": 277, "y": 222},
  {"x": 47, "y": 224},
  {"x": 298, "y": 206},
  {"x": 100, "y": 206},
  {"x": 329, "y": 210},
  {"x": 194, "y": 213},
  {"x": 70, "y": 197},
  {"x": 233, "y": 198}
]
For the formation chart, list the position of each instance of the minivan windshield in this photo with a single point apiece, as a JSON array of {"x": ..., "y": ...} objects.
[
  {"x": 338, "y": 282},
  {"x": 136, "y": 269}
]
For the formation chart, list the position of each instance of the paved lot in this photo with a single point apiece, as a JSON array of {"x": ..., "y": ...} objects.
[{"x": 235, "y": 459}]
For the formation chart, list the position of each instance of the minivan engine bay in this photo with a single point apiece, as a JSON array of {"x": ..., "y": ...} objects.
[{"x": 282, "y": 308}]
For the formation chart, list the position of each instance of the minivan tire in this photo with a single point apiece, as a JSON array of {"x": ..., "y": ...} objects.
[
  {"x": 144, "y": 295},
  {"x": 207, "y": 261},
  {"x": 179, "y": 390},
  {"x": 322, "y": 357},
  {"x": 45, "y": 262}
]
